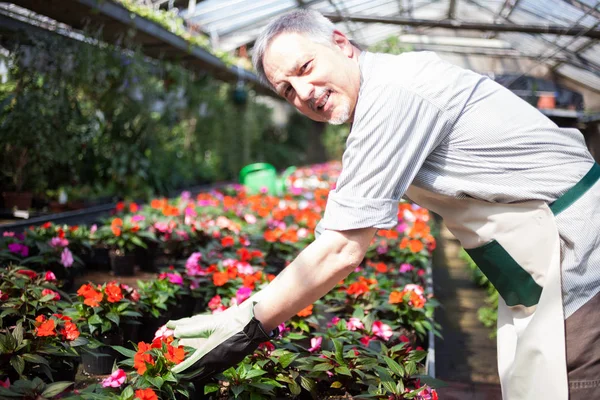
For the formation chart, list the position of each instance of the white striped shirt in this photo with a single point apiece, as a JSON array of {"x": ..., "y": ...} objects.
[{"x": 424, "y": 121}]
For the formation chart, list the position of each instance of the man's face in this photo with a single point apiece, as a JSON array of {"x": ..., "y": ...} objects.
[{"x": 319, "y": 80}]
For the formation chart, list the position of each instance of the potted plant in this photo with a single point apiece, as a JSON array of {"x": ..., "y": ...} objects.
[
  {"x": 122, "y": 237},
  {"x": 44, "y": 347},
  {"x": 158, "y": 298},
  {"x": 101, "y": 311}
]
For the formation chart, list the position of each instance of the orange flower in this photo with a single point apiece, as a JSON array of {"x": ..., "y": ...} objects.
[
  {"x": 306, "y": 311},
  {"x": 46, "y": 328},
  {"x": 396, "y": 297},
  {"x": 357, "y": 288},
  {"x": 70, "y": 332},
  {"x": 404, "y": 243},
  {"x": 141, "y": 358},
  {"x": 116, "y": 225},
  {"x": 133, "y": 208},
  {"x": 415, "y": 245},
  {"x": 270, "y": 236},
  {"x": 220, "y": 278},
  {"x": 93, "y": 298},
  {"x": 145, "y": 394},
  {"x": 381, "y": 267},
  {"x": 175, "y": 354},
  {"x": 113, "y": 292}
]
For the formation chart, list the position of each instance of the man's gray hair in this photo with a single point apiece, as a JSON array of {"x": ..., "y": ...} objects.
[{"x": 308, "y": 22}]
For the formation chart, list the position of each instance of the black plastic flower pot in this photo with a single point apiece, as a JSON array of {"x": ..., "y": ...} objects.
[
  {"x": 99, "y": 259},
  {"x": 102, "y": 361},
  {"x": 122, "y": 264},
  {"x": 144, "y": 258}
]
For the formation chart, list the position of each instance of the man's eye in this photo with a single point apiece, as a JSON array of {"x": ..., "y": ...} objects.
[
  {"x": 287, "y": 91},
  {"x": 304, "y": 67}
]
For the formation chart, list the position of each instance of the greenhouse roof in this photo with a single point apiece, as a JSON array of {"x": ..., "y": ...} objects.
[{"x": 520, "y": 35}]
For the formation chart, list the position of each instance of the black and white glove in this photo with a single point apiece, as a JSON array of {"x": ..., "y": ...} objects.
[{"x": 221, "y": 340}]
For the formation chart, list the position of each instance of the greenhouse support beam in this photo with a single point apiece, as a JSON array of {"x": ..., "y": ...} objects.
[
  {"x": 164, "y": 44},
  {"x": 452, "y": 9},
  {"x": 581, "y": 6},
  {"x": 457, "y": 25}
]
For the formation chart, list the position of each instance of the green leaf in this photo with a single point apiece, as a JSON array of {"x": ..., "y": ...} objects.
[
  {"x": 211, "y": 387},
  {"x": 322, "y": 367},
  {"x": 80, "y": 341},
  {"x": 286, "y": 359},
  {"x": 295, "y": 389},
  {"x": 256, "y": 396},
  {"x": 254, "y": 373},
  {"x": 35, "y": 359},
  {"x": 18, "y": 364},
  {"x": 237, "y": 389},
  {"x": 394, "y": 366},
  {"x": 113, "y": 317},
  {"x": 95, "y": 320},
  {"x": 429, "y": 381},
  {"x": 343, "y": 370},
  {"x": 339, "y": 351},
  {"x": 156, "y": 381},
  {"x": 18, "y": 333},
  {"x": 336, "y": 385},
  {"x": 126, "y": 352},
  {"x": 127, "y": 393},
  {"x": 55, "y": 388},
  {"x": 308, "y": 384}
]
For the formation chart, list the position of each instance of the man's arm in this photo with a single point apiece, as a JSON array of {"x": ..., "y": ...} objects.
[{"x": 316, "y": 270}]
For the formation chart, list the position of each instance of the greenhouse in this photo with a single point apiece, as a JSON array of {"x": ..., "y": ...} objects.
[{"x": 312, "y": 199}]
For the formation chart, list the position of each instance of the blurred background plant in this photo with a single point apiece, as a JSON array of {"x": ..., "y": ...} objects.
[{"x": 128, "y": 126}]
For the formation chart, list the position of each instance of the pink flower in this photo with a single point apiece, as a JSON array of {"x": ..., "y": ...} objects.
[
  {"x": 162, "y": 227},
  {"x": 6, "y": 383},
  {"x": 59, "y": 242},
  {"x": 215, "y": 302},
  {"x": 50, "y": 291},
  {"x": 116, "y": 379},
  {"x": 366, "y": 339},
  {"x": 50, "y": 276},
  {"x": 175, "y": 278},
  {"x": 66, "y": 258},
  {"x": 406, "y": 267},
  {"x": 94, "y": 228},
  {"x": 381, "y": 249},
  {"x": 382, "y": 330},
  {"x": 415, "y": 288},
  {"x": 163, "y": 332},
  {"x": 354, "y": 324},
  {"x": 242, "y": 294},
  {"x": 8, "y": 234},
  {"x": 251, "y": 219},
  {"x": 192, "y": 265},
  {"x": 315, "y": 344},
  {"x": 244, "y": 268},
  {"x": 138, "y": 218},
  {"x": 302, "y": 233},
  {"x": 401, "y": 227},
  {"x": 18, "y": 248}
]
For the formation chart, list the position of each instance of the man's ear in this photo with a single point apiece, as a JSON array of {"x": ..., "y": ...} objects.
[{"x": 342, "y": 42}]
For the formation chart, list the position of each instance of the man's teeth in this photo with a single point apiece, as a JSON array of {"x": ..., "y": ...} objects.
[{"x": 324, "y": 101}]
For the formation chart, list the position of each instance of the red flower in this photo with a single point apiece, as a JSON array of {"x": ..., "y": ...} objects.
[
  {"x": 227, "y": 241},
  {"x": 133, "y": 208},
  {"x": 70, "y": 332},
  {"x": 50, "y": 291},
  {"x": 175, "y": 354},
  {"x": 145, "y": 394},
  {"x": 220, "y": 278},
  {"x": 141, "y": 358},
  {"x": 113, "y": 292},
  {"x": 46, "y": 328},
  {"x": 47, "y": 225},
  {"x": 30, "y": 274}
]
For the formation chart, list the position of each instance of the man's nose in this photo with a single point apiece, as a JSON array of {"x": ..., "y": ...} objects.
[{"x": 305, "y": 90}]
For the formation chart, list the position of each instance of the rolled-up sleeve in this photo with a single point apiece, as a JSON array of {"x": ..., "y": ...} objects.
[{"x": 394, "y": 131}]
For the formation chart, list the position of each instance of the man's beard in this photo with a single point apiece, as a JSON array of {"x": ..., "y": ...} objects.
[{"x": 343, "y": 114}]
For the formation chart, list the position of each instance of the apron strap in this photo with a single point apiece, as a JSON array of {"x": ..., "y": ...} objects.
[{"x": 573, "y": 194}]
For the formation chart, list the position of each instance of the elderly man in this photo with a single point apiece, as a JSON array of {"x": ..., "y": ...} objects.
[{"x": 520, "y": 193}]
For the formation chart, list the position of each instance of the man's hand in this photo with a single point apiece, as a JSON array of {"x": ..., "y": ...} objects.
[{"x": 221, "y": 340}]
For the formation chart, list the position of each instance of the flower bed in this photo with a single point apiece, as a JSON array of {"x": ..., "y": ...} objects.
[{"x": 367, "y": 337}]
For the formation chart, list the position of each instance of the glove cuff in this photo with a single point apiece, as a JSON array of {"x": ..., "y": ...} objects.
[{"x": 255, "y": 332}]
